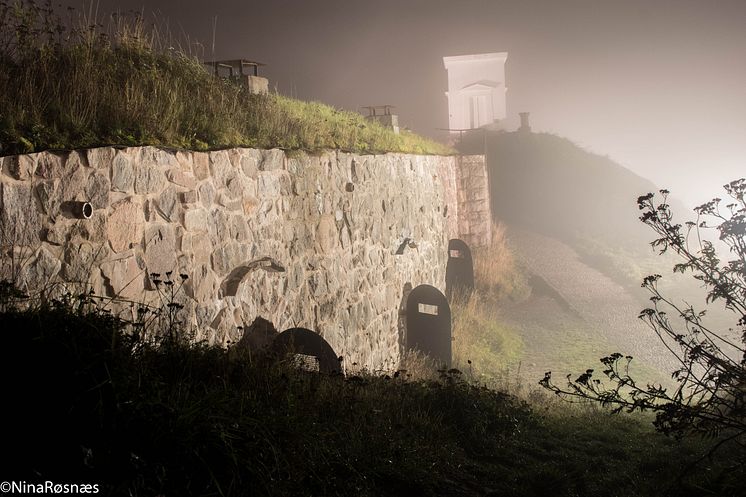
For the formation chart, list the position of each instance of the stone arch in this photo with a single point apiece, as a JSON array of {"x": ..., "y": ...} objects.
[
  {"x": 429, "y": 323},
  {"x": 229, "y": 286},
  {"x": 460, "y": 268},
  {"x": 306, "y": 342}
]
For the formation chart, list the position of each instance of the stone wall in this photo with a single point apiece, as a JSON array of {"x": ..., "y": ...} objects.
[
  {"x": 473, "y": 199},
  {"x": 326, "y": 242}
]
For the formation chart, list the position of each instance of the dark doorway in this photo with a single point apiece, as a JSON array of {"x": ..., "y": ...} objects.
[
  {"x": 306, "y": 343},
  {"x": 429, "y": 323},
  {"x": 460, "y": 268}
]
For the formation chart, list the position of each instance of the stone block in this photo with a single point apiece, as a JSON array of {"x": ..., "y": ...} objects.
[
  {"x": 229, "y": 256},
  {"x": 40, "y": 272},
  {"x": 206, "y": 193},
  {"x": 185, "y": 159},
  {"x": 160, "y": 248},
  {"x": 250, "y": 164},
  {"x": 122, "y": 173},
  {"x": 198, "y": 245},
  {"x": 19, "y": 221},
  {"x": 268, "y": 185},
  {"x": 92, "y": 230},
  {"x": 100, "y": 158},
  {"x": 21, "y": 167},
  {"x": 97, "y": 188},
  {"x": 168, "y": 205},
  {"x": 202, "y": 285},
  {"x": 50, "y": 165},
  {"x": 46, "y": 192},
  {"x": 239, "y": 228},
  {"x": 82, "y": 259},
  {"x": 221, "y": 168},
  {"x": 179, "y": 177},
  {"x": 195, "y": 220},
  {"x": 148, "y": 178},
  {"x": 218, "y": 226},
  {"x": 125, "y": 225},
  {"x": 189, "y": 197},
  {"x": 155, "y": 157},
  {"x": 201, "y": 165},
  {"x": 272, "y": 160},
  {"x": 123, "y": 278}
]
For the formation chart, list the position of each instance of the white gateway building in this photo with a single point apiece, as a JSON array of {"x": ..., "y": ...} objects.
[{"x": 476, "y": 90}]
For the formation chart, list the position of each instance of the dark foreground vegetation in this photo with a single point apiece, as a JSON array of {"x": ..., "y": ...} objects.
[
  {"x": 88, "y": 399},
  {"x": 91, "y": 81}
]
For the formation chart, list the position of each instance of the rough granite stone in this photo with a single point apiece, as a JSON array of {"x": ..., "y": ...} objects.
[
  {"x": 148, "y": 178},
  {"x": 97, "y": 189},
  {"x": 160, "y": 248},
  {"x": 125, "y": 225},
  {"x": 100, "y": 158},
  {"x": 229, "y": 256},
  {"x": 19, "y": 220},
  {"x": 201, "y": 165},
  {"x": 168, "y": 204},
  {"x": 122, "y": 173},
  {"x": 40, "y": 272},
  {"x": 81, "y": 258},
  {"x": 182, "y": 178},
  {"x": 206, "y": 194},
  {"x": 21, "y": 167},
  {"x": 195, "y": 220},
  {"x": 123, "y": 278},
  {"x": 220, "y": 168}
]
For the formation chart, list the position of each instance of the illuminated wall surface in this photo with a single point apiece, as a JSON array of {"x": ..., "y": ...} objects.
[
  {"x": 476, "y": 89},
  {"x": 301, "y": 240}
]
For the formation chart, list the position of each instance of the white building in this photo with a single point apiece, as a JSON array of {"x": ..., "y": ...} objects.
[{"x": 476, "y": 89}]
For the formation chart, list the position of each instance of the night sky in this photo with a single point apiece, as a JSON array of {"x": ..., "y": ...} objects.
[{"x": 656, "y": 85}]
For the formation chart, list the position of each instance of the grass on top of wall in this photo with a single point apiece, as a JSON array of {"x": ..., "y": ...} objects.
[{"x": 123, "y": 84}]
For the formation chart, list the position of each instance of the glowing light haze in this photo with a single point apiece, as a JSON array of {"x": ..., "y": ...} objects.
[{"x": 656, "y": 85}]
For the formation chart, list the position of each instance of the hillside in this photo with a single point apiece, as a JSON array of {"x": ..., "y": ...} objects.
[
  {"x": 548, "y": 185},
  {"x": 81, "y": 83},
  {"x": 573, "y": 224}
]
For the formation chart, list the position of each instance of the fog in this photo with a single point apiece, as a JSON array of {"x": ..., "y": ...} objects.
[{"x": 656, "y": 86}]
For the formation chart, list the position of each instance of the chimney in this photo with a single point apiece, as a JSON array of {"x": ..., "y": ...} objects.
[{"x": 525, "y": 126}]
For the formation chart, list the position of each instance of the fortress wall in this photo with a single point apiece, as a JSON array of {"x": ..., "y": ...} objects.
[
  {"x": 301, "y": 240},
  {"x": 473, "y": 199}
]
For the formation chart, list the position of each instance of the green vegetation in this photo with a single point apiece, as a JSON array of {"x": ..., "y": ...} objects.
[
  {"x": 483, "y": 345},
  {"x": 164, "y": 416},
  {"x": 709, "y": 398},
  {"x": 64, "y": 88}
]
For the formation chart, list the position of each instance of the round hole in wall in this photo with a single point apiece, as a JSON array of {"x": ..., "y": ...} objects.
[{"x": 86, "y": 210}]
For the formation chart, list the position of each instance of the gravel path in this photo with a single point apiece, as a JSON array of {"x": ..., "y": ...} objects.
[{"x": 606, "y": 307}]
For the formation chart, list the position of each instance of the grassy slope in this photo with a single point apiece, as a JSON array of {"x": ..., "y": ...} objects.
[
  {"x": 94, "y": 86},
  {"x": 547, "y": 184},
  {"x": 180, "y": 419}
]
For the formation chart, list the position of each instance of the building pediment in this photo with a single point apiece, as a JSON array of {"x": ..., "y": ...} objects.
[{"x": 482, "y": 86}]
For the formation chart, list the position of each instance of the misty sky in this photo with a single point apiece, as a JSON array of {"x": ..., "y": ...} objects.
[{"x": 658, "y": 86}]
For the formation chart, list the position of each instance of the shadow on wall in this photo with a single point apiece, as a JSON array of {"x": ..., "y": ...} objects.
[{"x": 308, "y": 349}]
